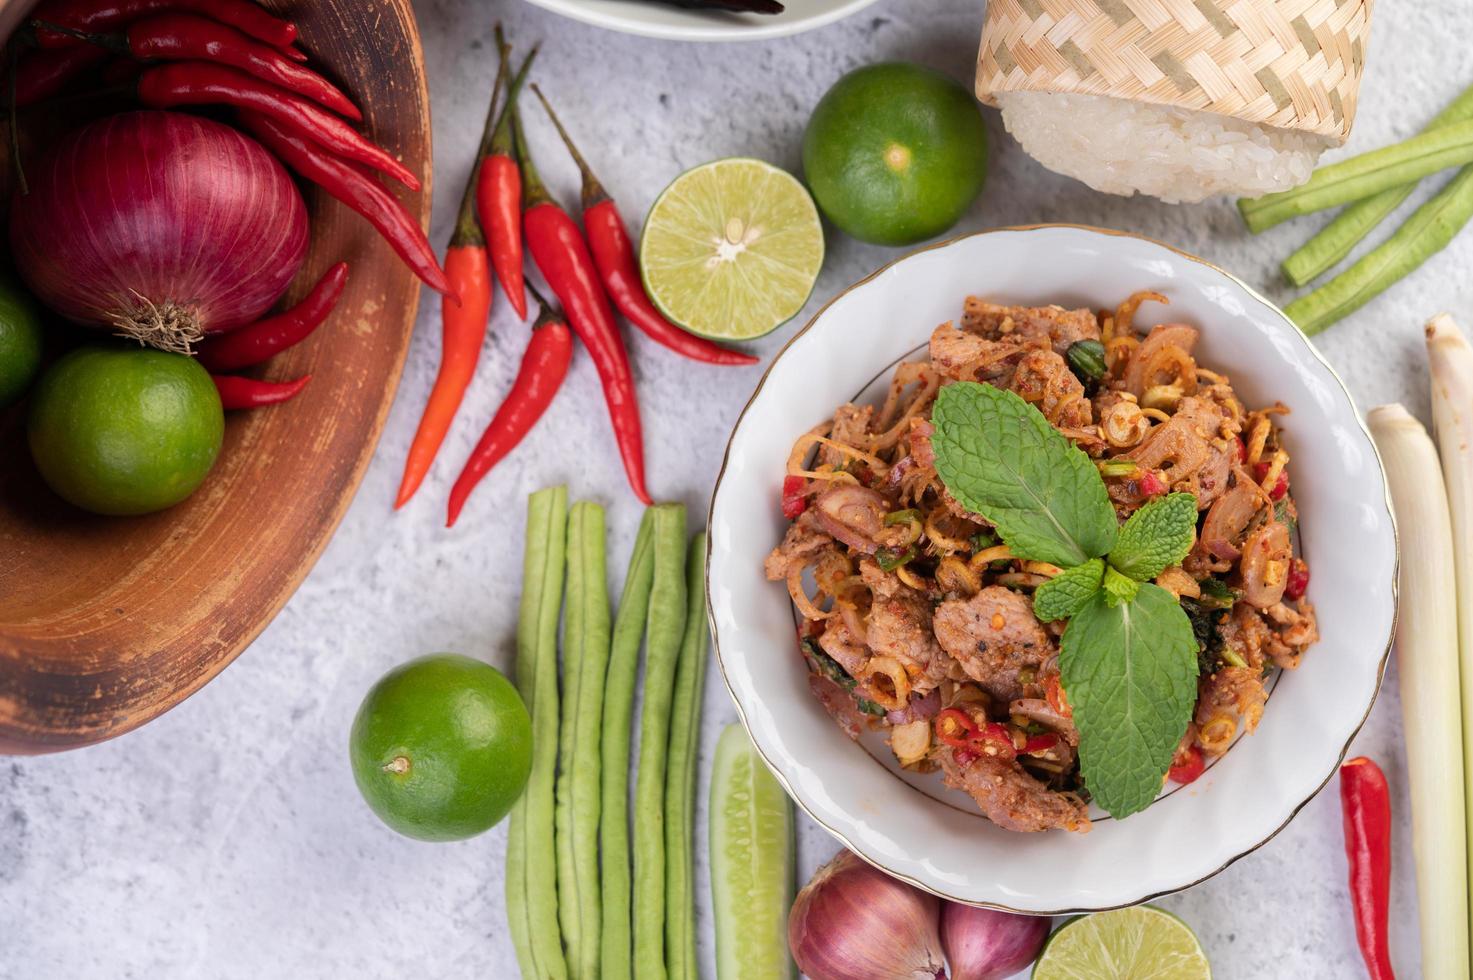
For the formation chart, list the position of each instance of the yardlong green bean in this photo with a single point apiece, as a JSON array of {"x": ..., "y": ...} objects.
[
  {"x": 1361, "y": 176},
  {"x": 616, "y": 945},
  {"x": 1425, "y": 233},
  {"x": 585, "y": 661},
  {"x": 664, "y": 633},
  {"x": 680, "y": 779},
  {"x": 531, "y": 864},
  {"x": 1336, "y": 240}
]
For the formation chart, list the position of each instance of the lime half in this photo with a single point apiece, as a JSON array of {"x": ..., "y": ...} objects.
[
  {"x": 731, "y": 249},
  {"x": 1142, "y": 943}
]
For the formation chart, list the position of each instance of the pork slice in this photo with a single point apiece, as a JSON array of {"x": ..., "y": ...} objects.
[
  {"x": 1011, "y": 798},
  {"x": 845, "y": 646},
  {"x": 900, "y": 627},
  {"x": 839, "y": 703},
  {"x": 968, "y": 357},
  {"x": 851, "y": 427},
  {"x": 801, "y": 545},
  {"x": 1054, "y": 324},
  {"x": 993, "y": 635},
  {"x": 1044, "y": 379}
]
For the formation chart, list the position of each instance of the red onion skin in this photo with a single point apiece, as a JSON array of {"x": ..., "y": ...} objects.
[
  {"x": 177, "y": 208},
  {"x": 854, "y": 922},
  {"x": 984, "y": 944}
]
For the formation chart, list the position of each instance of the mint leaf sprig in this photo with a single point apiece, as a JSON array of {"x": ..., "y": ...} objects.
[{"x": 1128, "y": 655}]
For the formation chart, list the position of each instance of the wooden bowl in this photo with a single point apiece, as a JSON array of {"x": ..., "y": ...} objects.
[{"x": 105, "y": 623}]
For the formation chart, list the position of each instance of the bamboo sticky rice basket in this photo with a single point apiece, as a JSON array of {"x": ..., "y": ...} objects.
[{"x": 1293, "y": 64}]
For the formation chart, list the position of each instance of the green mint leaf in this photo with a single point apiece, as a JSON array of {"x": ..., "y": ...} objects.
[
  {"x": 1156, "y": 537},
  {"x": 999, "y": 457},
  {"x": 1061, "y": 596},
  {"x": 1119, "y": 588},
  {"x": 1131, "y": 674}
]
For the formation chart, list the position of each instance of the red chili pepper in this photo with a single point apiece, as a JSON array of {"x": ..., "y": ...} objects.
[
  {"x": 954, "y": 727},
  {"x": 1152, "y": 485},
  {"x": 462, "y": 325},
  {"x": 499, "y": 196},
  {"x": 1242, "y": 449},
  {"x": 1039, "y": 743},
  {"x": 1298, "y": 582},
  {"x": 255, "y": 343},
  {"x": 562, "y": 255},
  {"x": 237, "y": 392},
  {"x": 544, "y": 366},
  {"x": 1281, "y": 485},
  {"x": 1365, "y": 803},
  {"x": 188, "y": 37},
  {"x": 356, "y": 188},
  {"x": 795, "y": 496},
  {"x": 1053, "y": 691},
  {"x": 1187, "y": 766},
  {"x": 200, "y": 83},
  {"x": 42, "y": 74},
  {"x": 996, "y": 735},
  {"x": 613, "y": 253},
  {"x": 103, "y": 15}
]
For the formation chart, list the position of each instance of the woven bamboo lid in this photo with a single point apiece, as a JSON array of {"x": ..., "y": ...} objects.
[{"x": 1290, "y": 63}]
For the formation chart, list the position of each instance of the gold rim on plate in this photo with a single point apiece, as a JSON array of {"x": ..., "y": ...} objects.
[{"x": 1313, "y": 352}]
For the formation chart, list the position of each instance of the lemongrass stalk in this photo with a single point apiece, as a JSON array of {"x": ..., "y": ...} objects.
[
  {"x": 1427, "y": 660},
  {"x": 1450, "y": 361}
]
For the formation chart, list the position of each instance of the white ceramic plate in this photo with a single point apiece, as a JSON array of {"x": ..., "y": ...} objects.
[
  {"x": 911, "y": 826},
  {"x": 672, "y": 23}
]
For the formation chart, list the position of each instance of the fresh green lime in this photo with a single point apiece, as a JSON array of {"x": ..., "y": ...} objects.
[
  {"x": 125, "y": 430},
  {"x": 442, "y": 747},
  {"x": 895, "y": 153},
  {"x": 20, "y": 340},
  {"x": 751, "y": 862},
  {"x": 731, "y": 249},
  {"x": 1141, "y": 943}
]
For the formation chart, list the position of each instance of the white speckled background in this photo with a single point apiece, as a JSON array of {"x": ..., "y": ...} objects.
[{"x": 227, "y": 840}]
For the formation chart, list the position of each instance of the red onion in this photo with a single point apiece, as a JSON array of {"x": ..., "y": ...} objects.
[
  {"x": 159, "y": 225},
  {"x": 918, "y": 708},
  {"x": 854, "y": 922},
  {"x": 983, "y": 944}
]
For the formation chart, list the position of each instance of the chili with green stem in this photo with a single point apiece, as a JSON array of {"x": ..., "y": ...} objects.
[
  {"x": 260, "y": 340},
  {"x": 613, "y": 254},
  {"x": 531, "y": 863},
  {"x": 463, "y": 324},
  {"x": 665, "y": 630},
  {"x": 543, "y": 368},
  {"x": 1421, "y": 236},
  {"x": 561, "y": 254},
  {"x": 356, "y": 188},
  {"x": 1355, "y": 221},
  {"x": 499, "y": 196},
  {"x": 616, "y": 959},
  {"x": 1361, "y": 176}
]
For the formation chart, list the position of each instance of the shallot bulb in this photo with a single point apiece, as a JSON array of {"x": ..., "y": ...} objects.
[
  {"x": 854, "y": 922},
  {"x": 983, "y": 944},
  {"x": 159, "y": 226}
]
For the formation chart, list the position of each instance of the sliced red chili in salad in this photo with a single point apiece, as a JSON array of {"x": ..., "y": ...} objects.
[
  {"x": 1187, "y": 766},
  {"x": 1281, "y": 485},
  {"x": 795, "y": 496}
]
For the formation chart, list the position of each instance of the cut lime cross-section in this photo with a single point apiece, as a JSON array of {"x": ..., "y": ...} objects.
[
  {"x": 731, "y": 249},
  {"x": 1143, "y": 943}
]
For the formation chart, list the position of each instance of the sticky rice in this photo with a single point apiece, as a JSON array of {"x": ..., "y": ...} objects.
[{"x": 1178, "y": 155}]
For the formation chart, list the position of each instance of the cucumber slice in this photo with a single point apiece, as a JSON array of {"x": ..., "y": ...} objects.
[{"x": 752, "y": 873}]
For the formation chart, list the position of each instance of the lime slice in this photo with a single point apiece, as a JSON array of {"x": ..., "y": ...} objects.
[
  {"x": 731, "y": 249},
  {"x": 751, "y": 863},
  {"x": 1142, "y": 943}
]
